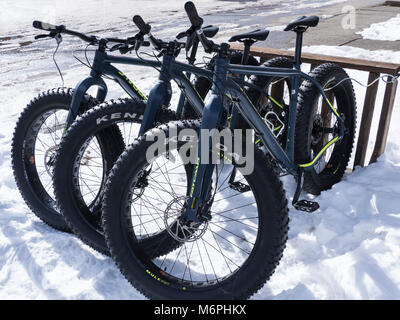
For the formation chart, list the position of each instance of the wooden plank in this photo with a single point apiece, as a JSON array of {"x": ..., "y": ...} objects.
[
  {"x": 358, "y": 64},
  {"x": 384, "y": 121},
  {"x": 366, "y": 120}
]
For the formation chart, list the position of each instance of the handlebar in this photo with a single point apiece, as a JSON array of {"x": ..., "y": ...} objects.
[
  {"x": 145, "y": 29},
  {"x": 45, "y": 26},
  {"x": 197, "y": 22},
  {"x": 62, "y": 29},
  {"x": 194, "y": 17},
  {"x": 54, "y": 30},
  {"x": 142, "y": 26}
]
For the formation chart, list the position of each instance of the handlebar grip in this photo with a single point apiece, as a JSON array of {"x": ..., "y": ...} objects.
[
  {"x": 44, "y": 26},
  {"x": 142, "y": 26},
  {"x": 194, "y": 17}
]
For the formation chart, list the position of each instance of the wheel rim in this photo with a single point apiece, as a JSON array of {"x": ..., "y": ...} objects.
[
  {"x": 90, "y": 172},
  {"x": 216, "y": 250},
  {"x": 41, "y": 145},
  {"x": 325, "y": 127}
]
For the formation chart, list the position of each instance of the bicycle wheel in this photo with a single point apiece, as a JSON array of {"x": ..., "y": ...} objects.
[
  {"x": 83, "y": 162},
  {"x": 228, "y": 257},
  {"x": 316, "y": 126},
  {"x": 35, "y": 141}
]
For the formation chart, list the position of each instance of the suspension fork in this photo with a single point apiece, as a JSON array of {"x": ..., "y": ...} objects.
[
  {"x": 213, "y": 117},
  {"x": 159, "y": 95},
  {"x": 79, "y": 92},
  {"x": 83, "y": 86}
]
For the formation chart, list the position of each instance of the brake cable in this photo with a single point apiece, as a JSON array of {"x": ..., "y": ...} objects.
[{"x": 58, "y": 38}]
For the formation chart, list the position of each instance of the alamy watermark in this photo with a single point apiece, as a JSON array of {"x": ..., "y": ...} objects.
[
  {"x": 207, "y": 146},
  {"x": 349, "y": 18}
]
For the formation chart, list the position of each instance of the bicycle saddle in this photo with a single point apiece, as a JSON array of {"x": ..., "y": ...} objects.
[
  {"x": 210, "y": 31},
  {"x": 302, "y": 22},
  {"x": 256, "y": 35}
]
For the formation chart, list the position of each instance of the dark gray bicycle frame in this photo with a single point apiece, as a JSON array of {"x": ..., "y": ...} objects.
[
  {"x": 102, "y": 66},
  {"x": 212, "y": 112}
]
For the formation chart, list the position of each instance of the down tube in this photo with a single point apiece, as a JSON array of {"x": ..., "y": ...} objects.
[
  {"x": 251, "y": 115},
  {"x": 190, "y": 92}
]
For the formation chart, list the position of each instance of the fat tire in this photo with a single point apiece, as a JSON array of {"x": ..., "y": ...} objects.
[
  {"x": 58, "y": 98},
  {"x": 326, "y": 73},
  {"x": 245, "y": 281},
  {"x": 76, "y": 213}
]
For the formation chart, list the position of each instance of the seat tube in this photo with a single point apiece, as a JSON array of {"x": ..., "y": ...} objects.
[
  {"x": 292, "y": 116},
  {"x": 295, "y": 80},
  {"x": 245, "y": 59}
]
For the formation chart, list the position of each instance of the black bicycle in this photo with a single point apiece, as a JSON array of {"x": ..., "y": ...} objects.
[
  {"x": 45, "y": 120},
  {"x": 82, "y": 165},
  {"x": 231, "y": 235}
]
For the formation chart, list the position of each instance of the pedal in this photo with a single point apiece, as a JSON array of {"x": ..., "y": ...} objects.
[
  {"x": 239, "y": 187},
  {"x": 302, "y": 205},
  {"x": 306, "y": 205}
]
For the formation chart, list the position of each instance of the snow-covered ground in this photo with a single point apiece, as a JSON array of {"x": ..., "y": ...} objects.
[
  {"x": 348, "y": 249},
  {"x": 386, "y": 30}
]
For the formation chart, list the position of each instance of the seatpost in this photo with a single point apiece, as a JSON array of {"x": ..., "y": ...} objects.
[
  {"x": 246, "y": 51},
  {"x": 299, "y": 44}
]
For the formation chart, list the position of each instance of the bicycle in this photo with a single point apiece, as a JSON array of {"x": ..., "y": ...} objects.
[
  {"x": 196, "y": 213},
  {"x": 45, "y": 120},
  {"x": 74, "y": 195}
]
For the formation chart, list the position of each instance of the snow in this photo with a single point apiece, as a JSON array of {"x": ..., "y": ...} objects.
[
  {"x": 348, "y": 249},
  {"x": 383, "y": 30}
]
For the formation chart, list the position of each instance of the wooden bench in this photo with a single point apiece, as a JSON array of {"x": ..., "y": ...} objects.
[{"x": 375, "y": 69}]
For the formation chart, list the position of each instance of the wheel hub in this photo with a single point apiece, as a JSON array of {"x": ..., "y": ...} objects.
[
  {"x": 317, "y": 130},
  {"x": 178, "y": 227},
  {"x": 49, "y": 158}
]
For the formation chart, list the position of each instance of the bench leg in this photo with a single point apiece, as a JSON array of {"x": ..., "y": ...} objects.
[
  {"x": 366, "y": 120},
  {"x": 384, "y": 121}
]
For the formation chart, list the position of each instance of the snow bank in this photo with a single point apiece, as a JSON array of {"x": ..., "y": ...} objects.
[{"x": 386, "y": 30}]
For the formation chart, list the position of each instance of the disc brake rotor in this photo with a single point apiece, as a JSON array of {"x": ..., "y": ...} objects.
[
  {"x": 49, "y": 158},
  {"x": 177, "y": 227}
]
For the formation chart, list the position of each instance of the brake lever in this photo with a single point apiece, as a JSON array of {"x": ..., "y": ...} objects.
[
  {"x": 58, "y": 38},
  {"x": 116, "y": 47},
  {"x": 138, "y": 43},
  {"x": 41, "y": 36},
  {"x": 182, "y": 35}
]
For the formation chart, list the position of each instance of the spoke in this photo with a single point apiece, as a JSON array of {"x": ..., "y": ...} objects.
[
  {"x": 209, "y": 258},
  {"x": 237, "y": 194},
  {"x": 141, "y": 224},
  {"x": 220, "y": 253},
  {"x": 150, "y": 213},
  {"x": 220, "y": 250},
  {"x": 201, "y": 259},
  {"x": 188, "y": 263},
  {"x": 235, "y": 220},
  {"x": 245, "y": 205},
  {"x": 239, "y": 237}
]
